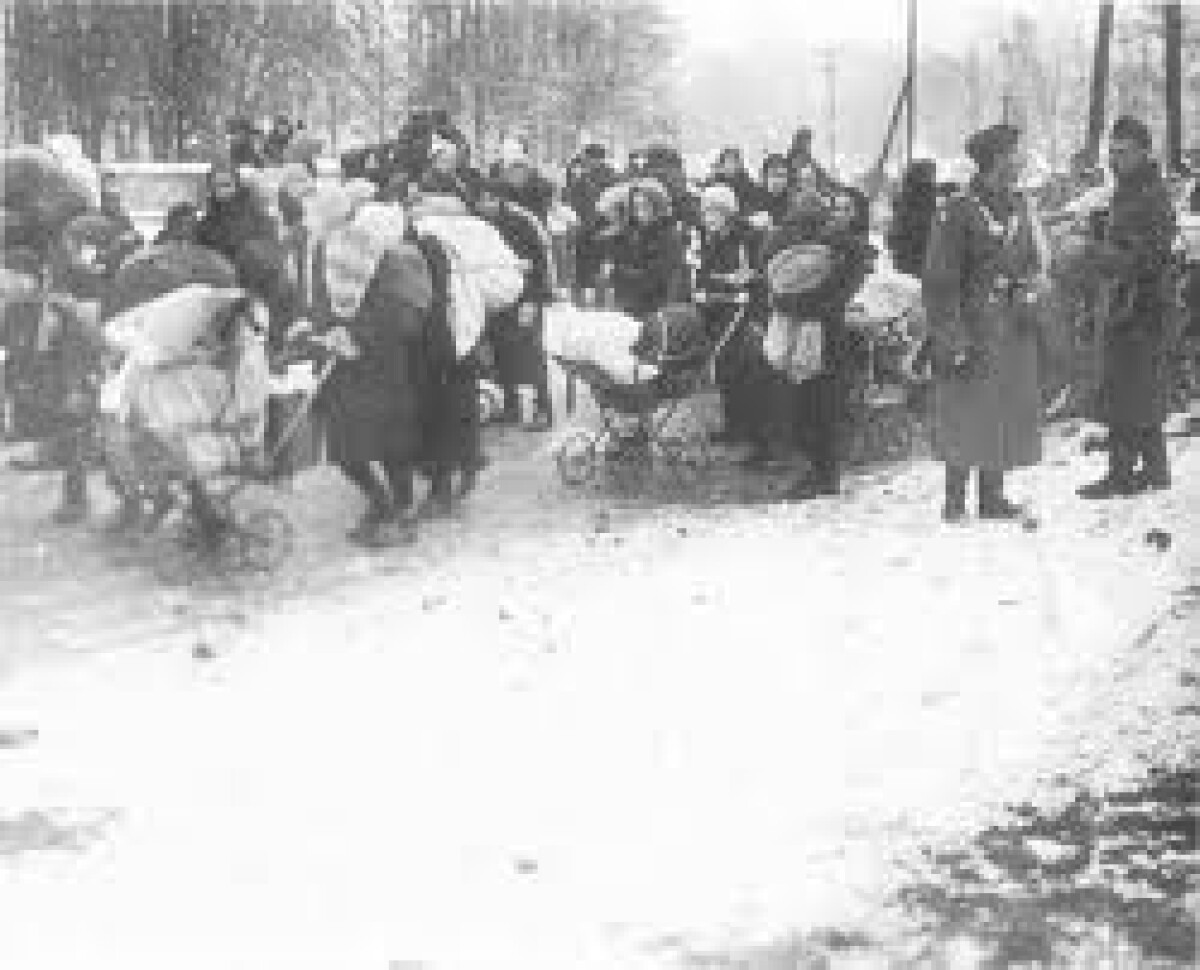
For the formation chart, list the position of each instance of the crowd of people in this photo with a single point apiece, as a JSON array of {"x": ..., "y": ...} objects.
[{"x": 401, "y": 400}]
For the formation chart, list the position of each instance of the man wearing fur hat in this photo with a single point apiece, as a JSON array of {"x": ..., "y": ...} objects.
[
  {"x": 1135, "y": 259},
  {"x": 984, "y": 278}
]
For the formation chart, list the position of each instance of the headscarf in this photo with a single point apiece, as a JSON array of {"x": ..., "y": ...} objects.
[
  {"x": 353, "y": 252},
  {"x": 720, "y": 197}
]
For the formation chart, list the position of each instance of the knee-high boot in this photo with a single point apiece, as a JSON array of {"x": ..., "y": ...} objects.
[
  {"x": 955, "y": 508},
  {"x": 993, "y": 503}
]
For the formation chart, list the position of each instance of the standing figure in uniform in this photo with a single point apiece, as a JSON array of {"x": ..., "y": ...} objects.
[
  {"x": 1135, "y": 258},
  {"x": 983, "y": 282}
]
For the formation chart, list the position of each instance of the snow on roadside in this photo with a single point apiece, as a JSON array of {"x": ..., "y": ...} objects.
[{"x": 720, "y": 724}]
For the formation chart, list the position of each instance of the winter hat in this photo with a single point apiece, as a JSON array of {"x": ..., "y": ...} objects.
[
  {"x": 987, "y": 146},
  {"x": 595, "y": 153},
  {"x": 1131, "y": 129},
  {"x": 718, "y": 197},
  {"x": 514, "y": 152},
  {"x": 775, "y": 161}
]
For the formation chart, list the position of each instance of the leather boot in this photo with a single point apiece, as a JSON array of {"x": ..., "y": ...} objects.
[
  {"x": 993, "y": 504},
  {"x": 1155, "y": 475},
  {"x": 1119, "y": 480},
  {"x": 955, "y": 509}
]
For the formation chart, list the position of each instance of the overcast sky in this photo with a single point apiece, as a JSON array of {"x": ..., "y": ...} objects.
[{"x": 943, "y": 23}]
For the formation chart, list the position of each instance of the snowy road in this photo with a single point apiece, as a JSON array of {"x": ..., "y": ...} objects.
[{"x": 561, "y": 734}]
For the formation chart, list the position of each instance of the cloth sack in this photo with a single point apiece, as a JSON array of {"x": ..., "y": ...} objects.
[
  {"x": 799, "y": 269},
  {"x": 205, "y": 415},
  {"x": 885, "y": 297},
  {"x": 795, "y": 348}
]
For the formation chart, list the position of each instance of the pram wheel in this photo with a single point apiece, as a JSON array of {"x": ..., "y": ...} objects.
[
  {"x": 689, "y": 456},
  {"x": 263, "y": 539},
  {"x": 577, "y": 459}
]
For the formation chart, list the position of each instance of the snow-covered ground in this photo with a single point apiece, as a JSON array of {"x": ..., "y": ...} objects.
[{"x": 562, "y": 731}]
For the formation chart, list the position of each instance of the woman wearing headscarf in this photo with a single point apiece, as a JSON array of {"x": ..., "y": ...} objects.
[
  {"x": 648, "y": 269},
  {"x": 982, "y": 285},
  {"x": 371, "y": 308},
  {"x": 811, "y": 414},
  {"x": 232, "y": 216},
  {"x": 773, "y": 195},
  {"x": 915, "y": 208},
  {"x": 516, "y": 333},
  {"x": 730, "y": 171},
  {"x": 726, "y": 272}
]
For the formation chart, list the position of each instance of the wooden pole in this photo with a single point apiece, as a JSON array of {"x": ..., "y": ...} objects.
[
  {"x": 1173, "y": 34},
  {"x": 1097, "y": 106}
]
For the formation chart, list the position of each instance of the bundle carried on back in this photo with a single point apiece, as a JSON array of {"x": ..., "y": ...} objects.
[
  {"x": 46, "y": 187},
  {"x": 485, "y": 274},
  {"x": 354, "y": 251}
]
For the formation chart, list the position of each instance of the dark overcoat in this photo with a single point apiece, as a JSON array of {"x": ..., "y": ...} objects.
[
  {"x": 1136, "y": 258},
  {"x": 372, "y": 404},
  {"x": 649, "y": 270},
  {"x": 982, "y": 267}
]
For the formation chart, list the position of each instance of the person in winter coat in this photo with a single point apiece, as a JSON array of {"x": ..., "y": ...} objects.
[
  {"x": 518, "y": 181},
  {"x": 648, "y": 269},
  {"x": 232, "y": 217},
  {"x": 915, "y": 208},
  {"x": 726, "y": 273},
  {"x": 730, "y": 170},
  {"x": 587, "y": 180},
  {"x": 774, "y": 196},
  {"x": 811, "y": 414},
  {"x": 984, "y": 278},
  {"x": 181, "y": 225},
  {"x": 1135, "y": 258},
  {"x": 372, "y": 399},
  {"x": 516, "y": 333}
]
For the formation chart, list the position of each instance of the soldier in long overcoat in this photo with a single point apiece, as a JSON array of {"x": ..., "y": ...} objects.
[
  {"x": 983, "y": 285},
  {"x": 1135, "y": 259}
]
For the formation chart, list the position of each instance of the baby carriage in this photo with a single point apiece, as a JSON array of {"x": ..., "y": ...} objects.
[
  {"x": 671, "y": 362},
  {"x": 183, "y": 422}
]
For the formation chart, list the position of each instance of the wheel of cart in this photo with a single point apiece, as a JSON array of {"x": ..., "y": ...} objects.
[
  {"x": 578, "y": 459},
  {"x": 687, "y": 457}
]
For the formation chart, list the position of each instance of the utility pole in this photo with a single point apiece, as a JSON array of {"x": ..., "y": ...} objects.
[
  {"x": 830, "y": 67},
  {"x": 1173, "y": 35},
  {"x": 912, "y": 79},
  {"x": 1100, "y": 65}
]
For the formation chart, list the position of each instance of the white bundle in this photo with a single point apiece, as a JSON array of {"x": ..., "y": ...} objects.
[
  {"x": 169, "y": 327},
  {"x": 603, "y": 338},
  {"x": 485, "y": 275},
  {"x": 884, "y": 298},
  {"x": 68, "y": 151}
]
